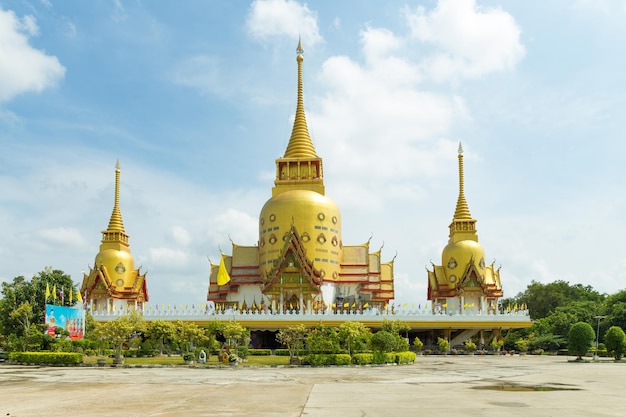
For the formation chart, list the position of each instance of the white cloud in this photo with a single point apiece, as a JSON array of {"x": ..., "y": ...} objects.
[
  {"x": 273, "y": 18},
  {"x": 201, "y": 72},
  {"x": 181, "y": 235},
  {"x": 23, "y": 68},
  {"x": 119, "y": 11},
  {"x": 65, "y": 236},
  {"x": 470, "y": 41},
  {"x": 167, "y": 258}
]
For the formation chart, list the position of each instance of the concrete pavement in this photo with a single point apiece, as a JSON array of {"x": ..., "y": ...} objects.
[{"x": 434, "y": 386}]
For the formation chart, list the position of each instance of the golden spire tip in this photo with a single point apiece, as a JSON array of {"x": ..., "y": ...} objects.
[
  {"x": 117, "y": 164},
  {"x": 460, "y": 148},
  {"x": 299, "y": 49}
]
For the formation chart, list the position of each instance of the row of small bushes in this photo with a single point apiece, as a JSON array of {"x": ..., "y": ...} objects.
[
  {"x": 260, "y": 352},
  {"x": 326, "y": 359},
  {"x": 49, "y": 358}
]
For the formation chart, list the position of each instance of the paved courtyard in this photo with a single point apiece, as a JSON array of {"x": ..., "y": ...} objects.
[{"x": 434, "y": 386}]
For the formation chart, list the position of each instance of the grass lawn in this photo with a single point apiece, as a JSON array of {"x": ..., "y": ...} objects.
[{"x": 178, "y": 360}]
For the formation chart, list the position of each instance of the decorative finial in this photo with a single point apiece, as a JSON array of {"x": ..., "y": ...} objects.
[
  {"x": 300, "y": 144},
  {"x": 299, "y": 49},
  {"x": 460, "y": 149},
  {"x": 117, "y": 164}
]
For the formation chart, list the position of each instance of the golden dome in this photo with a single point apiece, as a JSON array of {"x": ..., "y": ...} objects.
[
  {"x": 120, "y": 266},
  {"x": 456, "y": 256},
  {"x": 317, "y": 220}
]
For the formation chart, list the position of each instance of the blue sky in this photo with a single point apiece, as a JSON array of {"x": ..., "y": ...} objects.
[{"x": 196, "y": 99}]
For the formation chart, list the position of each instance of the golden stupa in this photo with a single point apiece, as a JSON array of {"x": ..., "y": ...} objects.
[
  {"x": 463, "y": 283},
  {"x": 300, "y": 261},
  {"x": 113, "y": 283}
]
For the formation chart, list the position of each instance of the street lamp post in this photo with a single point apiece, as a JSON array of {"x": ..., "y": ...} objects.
[{"x": 595, "y": 354}]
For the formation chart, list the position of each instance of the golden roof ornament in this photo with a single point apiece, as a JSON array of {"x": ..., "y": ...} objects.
[
  {"x": 462, "y": 211},
  {"x": 300, "y": 144}
]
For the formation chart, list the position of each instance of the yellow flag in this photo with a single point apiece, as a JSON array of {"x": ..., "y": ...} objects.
[
  {"x": 47, "y": 292},
  {"x": 346, "y": 305},
  {"x": 79, "y": 297},
  {"x": 222, "y": 274},
  {"x": 365, "y": 305},
  {"x": 54, "y": 292},
  {"x": 71, "y": 295},
  {"x": 354, "y": 304}
]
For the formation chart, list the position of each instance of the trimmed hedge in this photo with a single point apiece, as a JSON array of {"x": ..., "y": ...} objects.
[
  {"x": 363, "y": 358},
  {"x": 384, "y": 357},
  {"x": 405, "y": 357},
  {"x": 327, "y": 359},
  {"x": 49, "y": 358},
  {"x": 260, "y": 352},
  {"x": 281, "y": 352}
]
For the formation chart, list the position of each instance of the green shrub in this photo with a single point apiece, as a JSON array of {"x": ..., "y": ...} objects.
[
  {"x": 260, "y": 352},
  {"x": 243, "y": 351},
  {"x": 49, "y": 358},
  {"x": 327, "y": 359},
  {"x": 443, "y": 345},
  {"x": 362, "y": 358},
  {"x": 380, "y": 358},
  {"x": 405, "y": 357},
  {"x": 316, "y": 359},
  {"x": 281, "y": 352},
  {"x": 418, "y": 344},
  {"x": 343, "y": 359}
]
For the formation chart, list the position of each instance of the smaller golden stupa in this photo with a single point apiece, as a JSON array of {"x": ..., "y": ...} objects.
[
  {"x": 463, "y": 283},
  {"x": 114, "y": 283}
]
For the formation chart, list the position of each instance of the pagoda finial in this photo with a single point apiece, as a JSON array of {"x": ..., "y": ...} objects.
[
  {"x": 462, "y": 211},
  {"x": 300, "y": 144},
  {"x": 116, "y": 222}
]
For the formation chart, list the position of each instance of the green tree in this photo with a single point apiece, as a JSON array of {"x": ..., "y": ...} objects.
[
  {"x": 233, "y": 333},
  {"x": 120, "y": 331},
  {"x": 542, "y": 299},
  {"x": 160, "y": 332},
  {"x": 21, "y": 318},
  {"x": 580, "y": 339},
  {"x": 615, "y": 341},
  {"x": 614, "y": 310},
  {"x": 293, "y": 338},
  {"x": 400, "y": 331},
  {"x": 418, "y": 344},
  {"x": 443, "y": 345},
  {"x": 34, "y": 291},
  {"x": 353, "y": 335},
  {"x": 383, "y": 341},
  {"x": 187, "y": 334},
  {"x": 213, "y": 330},
  {"x": 323, "y": 339}
]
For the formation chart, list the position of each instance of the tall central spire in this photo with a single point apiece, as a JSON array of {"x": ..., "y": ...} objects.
[
  {"x": 300, "y": 168},
  {"x": 463, "y": 226},
  {"x": 462, "y": 211},
  {"x": 115, "y": 232},
  {"x": 300, "y": 144}
]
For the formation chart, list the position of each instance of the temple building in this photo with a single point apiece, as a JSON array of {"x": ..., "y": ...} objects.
[
  {"x": 463, "y": 283},
  {"x": 113, "y": 284},
  {"x": 300, "y": 262}
]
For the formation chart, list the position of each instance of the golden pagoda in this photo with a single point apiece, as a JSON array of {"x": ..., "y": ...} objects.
[
  {"x": 113, "y": 283},
  {"x": 300, "y": 262},
  {"x": 463, "y": 283}
]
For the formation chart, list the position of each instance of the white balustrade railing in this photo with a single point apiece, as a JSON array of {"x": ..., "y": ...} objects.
[{"x": 204, "y": 313}]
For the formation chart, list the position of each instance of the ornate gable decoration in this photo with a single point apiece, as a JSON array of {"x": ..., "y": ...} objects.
[{"x": 293, "y": 259}]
